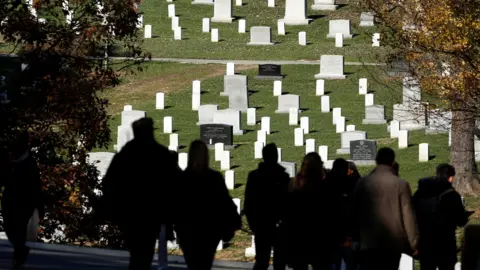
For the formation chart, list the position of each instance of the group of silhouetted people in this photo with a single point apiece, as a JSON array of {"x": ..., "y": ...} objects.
[{"x": 329, "y": 219}]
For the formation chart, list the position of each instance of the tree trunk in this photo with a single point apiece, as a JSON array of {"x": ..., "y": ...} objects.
[{"x": 462, "y": 153}]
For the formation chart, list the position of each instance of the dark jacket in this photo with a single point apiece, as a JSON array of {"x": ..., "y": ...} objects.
[
  {"x": 23, "y": 188},
  {"x": 137, "y": 185},
  {"x": 204, "y": 209},
  {"x": 265, "y": 196},
  {"x": 311, "y": 223},
  {"x": 384, "y": 212},
  {"x": 438, "y": 238}
]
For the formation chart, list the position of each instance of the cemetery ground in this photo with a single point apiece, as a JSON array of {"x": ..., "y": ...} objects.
[{"x": 176, "y": 81}]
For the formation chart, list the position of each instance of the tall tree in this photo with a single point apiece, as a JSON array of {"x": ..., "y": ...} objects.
[
  {"x": 53, "y": 92},
  {"x": 440, "y": 41}
]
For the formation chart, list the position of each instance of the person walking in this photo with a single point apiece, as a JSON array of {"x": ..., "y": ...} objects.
[
  {"x": 439, "y": 210},
  {"x": 265, "y": 197},
  {"x": 137, "y": 192},
  {"x": 311, "y": 217},
  {"x": 384, "y": 216},
  {"x": 206, "y": 214},
  {"x": 21, "y": 196}
]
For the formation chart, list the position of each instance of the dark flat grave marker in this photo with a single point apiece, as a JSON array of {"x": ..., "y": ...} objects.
[
  {"x": 269, "y": 72},
  {"x": 363, "y": 152},
  {"x": 211, "y": 134}
]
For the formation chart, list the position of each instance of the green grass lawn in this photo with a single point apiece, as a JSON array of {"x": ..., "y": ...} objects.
[
  {"x": 300, "y": 81},
  {"x": 233, "y": 45}
]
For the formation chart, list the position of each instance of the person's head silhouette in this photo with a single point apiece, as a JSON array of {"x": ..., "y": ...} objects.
[
  {"x": 143, "y": 128},
  {"x": 385, "y": 156},
  {"x": 270, "y": 153},
  {"x": 198, "y": 156}
]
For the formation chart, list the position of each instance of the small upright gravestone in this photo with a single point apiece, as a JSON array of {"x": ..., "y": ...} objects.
[
  {"x": 205, "y": 113},
  {"x": 269, "y": 72},
  {"x": 211, "y": 134},
  {"x": 215, "y": 35},
  {"x": 202, "y": 2},
  {"x": 331, "y": 67},
  {"x": 229, "y": 117},
  {"x": 260, "y": 35},
  {"x": 234, "y": 83},
  {"x": 222, "y": 11},
  {"x": 285, "y": 102},
  {"x": 347, "y": 137},
  {"x": 367, "y": 19},
  {"x": 296, "y": 12},
  {"x": 339, "y": 26},
  {"x": 363, "y": 152},
  {"x": 205, "y": 25},
  {"x": 281, "y": 28},
  {"x": 324, "y": 5}
]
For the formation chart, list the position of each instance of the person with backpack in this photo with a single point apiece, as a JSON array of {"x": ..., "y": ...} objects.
[{"x": 439, "y": 210}]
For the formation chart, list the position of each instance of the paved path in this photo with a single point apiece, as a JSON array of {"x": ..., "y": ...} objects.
[
  {"x": 56, "y": 257},
  {"x": 239, "y": 62}
]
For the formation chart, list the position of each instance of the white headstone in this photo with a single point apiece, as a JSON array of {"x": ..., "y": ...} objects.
[
  {"x": 160, "y": 101},
  {"x": 171, "y": 10},
  {"x": 277, "y": 88},
  {"x": 324, "y": 5},
  {"x": 251, "y": 116},
  {"x": 220, "y": 245},
  {"x": 323, "y": 152},
  {"x": 127, "y": 108},
  {"x": 183, "y": 160},
  {"x": 258, "y": 149},
  {"x": 225, "y": 161},
  {"x": 177, "y": 33},
  {"x": 215, "y": 35},
  {"x": 339, "y": 26},
  {"x": 331, "y": 67},
  {"x": 367, "y": 19},
  {"x": 320, "y": 88},
  {"x": 238, "y": 203},
  {"x": 196, "y": 87},
  {"x": 260, "y": 35},
  {"x": 230, "y": 179},
  {"x": 325, "y": 104},
  {"x": 362, "y": 86},
  {"x": 376, "y": 40},
  {"x": 196, "y": 101},
  {"x": 174, "y": 140},
  {"x": 167, "y": 124},
  {"x": 350, "y": 127},
  {"x": 305, "y": 124},
  {"x": 238, "y": 3},
  {"x": 230, "y": 69},
  {"x": 242, "y": 26},
  {"x": 336, "y": 113},
  {"x": 271, "y": 3},
  {"x": 173, "y": 148},
  {"x": 296, "y": 12},
  {"x": 219, "y": 148},
  {"x": 205, "y": 25},
  {"x": 140, "y": 21},
  {"x": 423, "y": 155},
  {"x": 309, "y": 146},
  {"x": 279, "y": 151},
  {"x": 394, "y": 129},
  {"x": 293, "y": 117},
  {"x": 222, "y": 11},
  {"x": 369, "y": 100},
  {"x": 298, "y": 136},
  {"x": 340, "y": 125},
  {"x": 262, "y": 136},
  {"x": 285, "y": 102},
  {"x": 302, "y": 38},
  {"x": 148, "y": 31},
  {"x": 265, "y": 124},
  {"x": 281, "y": 28},
  {"x": 403, "y": 139},
  {"x": 406, "y": 263},
  {"x": 338, "y": 40},
  {"x": 175, "y": 22},
  {"x": 229, "y": 117}
]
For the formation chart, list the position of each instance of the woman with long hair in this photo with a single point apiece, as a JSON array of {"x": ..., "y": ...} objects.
[
  {"x": 206, "y": 213},
  {"x": 310, "y": 217}
]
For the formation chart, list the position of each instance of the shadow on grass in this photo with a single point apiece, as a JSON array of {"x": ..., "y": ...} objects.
[
  {"x": 204, "y": 92},
  {"x": 167, "y": 107},
  {"x": 341, "y": 6},
  {"x": 234, "y": 167},
  {"x": 238, "y": 186},
  {"x": 432, "y": 157},
  {"x": 258, "y": 108}
]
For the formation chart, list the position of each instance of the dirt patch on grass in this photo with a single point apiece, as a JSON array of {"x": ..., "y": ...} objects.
[{"x": 139, "y": 90}]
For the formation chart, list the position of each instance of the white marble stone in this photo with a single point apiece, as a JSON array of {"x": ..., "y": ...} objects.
[
  {"x": 403, "y": 139},
  {"x": 293, "y": 117},
  {"x": 206, "y": 25},
  {"x": 196, "y": 101},
  {"x": 336, "y": 113},
  {"x": 279, "y": 152},
  {"x": 258, "y": 150},
  {"x": 238, "y": 3},
  {"x": 196, "y": 87},
  {"x": 302, "y": 38},
  {"x": 260, "y": 35},
  {"x": 369, "y": 100},
  {"x": 183, "y": 160},
  {"x": 376, "y": 40},
  {"x": 277, "y": 88},
  {"x": 367, "y": 19},
  {"x": 215, "y": 35},
  {"x": 127, "y": 108},
  {"x": 325, "y": 104},
  {"x": 222, "y": 11},
  {"x": 225, "y": 161},
  {"x": 298, "y": 136},
  {"x": 230, "y": 69},
  {"x": 177, "y": 33},
  {"x": 242, "y": 26},
  {"x": 362, "y": 86},
  {"x": 175, "y": 22},
  {"x": 202, "y": 2},
  {"x": 230, "y": 179},
  {"x": 340, "y": 125},
  {"x": 296, "y": 12},
  {"x": 281, "y": 28},
  {"x": 331, "y": 67},
  {"x": 140, "y": 21},
  {"x": 251, "y": 116},
  {"x": 271, "y": 3},
  {"x": 262, "y": 136},
  {"x": 174, "y": 140},
  {"x": 305, "y": 124},
  {"x": 219, "y": 148},
  {"x": 160, "y": 101},
  {"x": 394, "y": 129},
  {"x": 309, "y": 146},
  {"x": 167, "y": 124},
  {"x": 171, "y": 10},
  {"x": 339, "y": 40},
  {"x": 265, "y": 124},
  {"x": 423, "y": 155},
  {"x": 324, "y": 5},
  {"x": 148, "y": 31},
  {"x": 320, "y": 88},
  {"x": 339, "y": 26},
  {"x": 350, "y": 128},
  {"x": 323, "y": 152}
]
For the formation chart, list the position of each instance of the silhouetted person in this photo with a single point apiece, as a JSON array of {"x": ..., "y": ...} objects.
[
  {"x": 311, "y": 217},
  {"x": 384, "y": 216},
  {"x": 21, "y": 196},
  {"x": 137, "y": 189},
  {"x": 439, "y": 211},
  {"x": 206, "y": 212},
  {"x": 344, "y": 186},
  {"x": 265, "y": 197}
]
